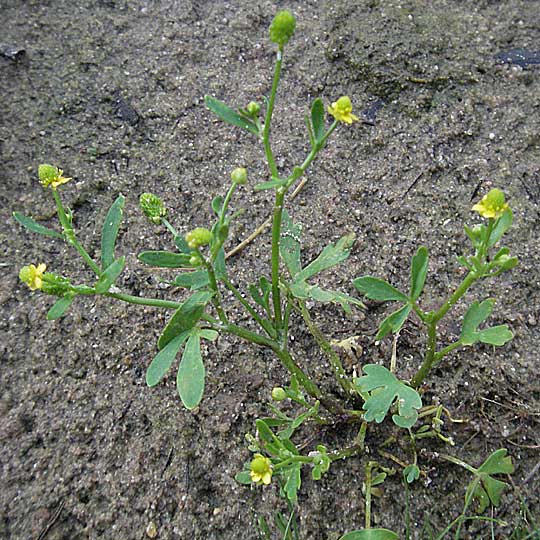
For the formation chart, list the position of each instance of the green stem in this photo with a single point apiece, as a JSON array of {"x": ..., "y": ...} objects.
[
  {"x": 216, "y": 299},
  {"x": 141, "y": 301},
  {"x": 264, "y": 324},
  {"x": 169, "y": 227},
  {"x": 369, "y": 468},
  {"x": 268, "y": 116},
  {"x": 444, "y": 351},
  {"x": 276, "y": 236},
  {"x": 69, "y": 235},
  {"x": 332, "y": 356},
  {"x": 429, "y": 358},
  {"x": 470, "y": 278},
  {"x": 226, "y": 202},
  {"x": 344, "y": 453}
]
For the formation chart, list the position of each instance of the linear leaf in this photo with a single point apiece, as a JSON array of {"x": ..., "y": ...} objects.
[
  {"x": 317, "y": 119},
  {"x": 164, "y": 359},
  {"x": 419, "y": 268},
  {"x": 393, "y": 322},
  {"x": 229, "y": 115},
  {"x": 34, "y": 226},
  {"x": 60, "y": 307},
  {"x": 378, "y": 289},
  {"x": 165, "y": 259},
  {"x": 502, "y": 225},
  {"x": 109, "y": 232},
  {"x": 271, "y": 184},
  {"x": 110, "y": 275},
  {"x": 191, "y": 372}
]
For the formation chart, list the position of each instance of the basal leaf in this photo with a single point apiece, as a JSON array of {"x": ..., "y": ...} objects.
[
  {"x": 165, "y": 259},
  {"x": 419, "y": 268},
  {"x": 289, "y": 247},
  {"x": 185, "y": 317},
  {"x": 109, "y": 231},
  {"x": 229, "y": 115},
  {"x": 164, "y": 359},
  {"x": 191, "y": 373},
  {"x": 317, "y": 119},
  {"x": 385, "y": 388},
  {"x": 378, "y": 289},
  {"x": 60, "y": 307},
  {"x": 393, "y": 322},
  {"x": 370, "y": 534},
  {"x": 110, "y": 275},
  {"x": 330, "y": 256},
  {"x": 34, "y": 226}
]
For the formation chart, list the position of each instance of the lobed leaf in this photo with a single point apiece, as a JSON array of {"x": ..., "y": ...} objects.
[
  {"x": 191, "y": 373},
  {"x": 293, "y": 483},
  {"x": 476, "y": 314},
  {"x": 497, "y": 463},
  {"x": 33, "y": 226},
  {"x": 378, "y": 289},
  {"x": 229, "y": 115},
  {"x": 289, "y": 246},
  {"x": 109, "y": 231}
]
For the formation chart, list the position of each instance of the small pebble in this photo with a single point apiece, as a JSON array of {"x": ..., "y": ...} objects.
[{"x": 151, "y": 530}]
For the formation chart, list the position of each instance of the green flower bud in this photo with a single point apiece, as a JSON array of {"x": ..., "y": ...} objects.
[
  {"x": 195, "y": 260},
  {"x": 152, "y": 207},
  {"x": 506, "y": 262},
  {"x": 198, "y": 237},
  {"x": 253, "y": 108},
  {"x": 239, "y": 176},
  {"x": 282, "y": 27},
  {"x": 278, "y": 394}
]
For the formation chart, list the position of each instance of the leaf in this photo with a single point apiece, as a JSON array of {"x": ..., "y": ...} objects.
[
  {"x": 304, "y": 290},
  {"x": 261, "y": 293},
  {"x": 243, "y": 477},
  {"x": 60, "y": 307},
  {"x": 370, "y": 534},
  {"x": 293, "y": 483},
  {"x": 497, "y": 463},
  {"x": 229, "y": 115},
  {"x": 501, "y": 226},
  {"x": 109, "y": 232},
  {"x": 110, "y": 275},
  {"x": 163, "y": 360},
  {"x": 317, "y": 119},
  {"x": 385, "y": 388},
  {"x": 181, "y": 244},
  {"x": 476, "y": 314},
  {"x": 217, "y": 205},
  {"x": 210, "y": 335},
  {"x": 393, "y": 322},
  {"x": 193, "y": 280},
  {"x": 185, "y": 317},
  {"x": 378, "y": 289},
  {"x": 289, "y": 246},
  {"x": 411, "y": 473},
  {"x": 191, "y": 372},
  {"x": 330, "y": 256},
  {"x": 271, "y": 184},
  {"x": 418, "y": 272},
  {"x": 34, "y": 226},
  {"x": 165, "y": 259},
  {"x": 272, "y": 444}
]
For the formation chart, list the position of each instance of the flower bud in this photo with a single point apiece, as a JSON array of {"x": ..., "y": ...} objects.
[
  {"x": 278, "y": 394},
  {"x": 195, "y": 260},
  {"x": 239, "y": 176},
  {"x": 282, "y": 27},
  {"x": 198, "y": 237},
  {"x": 506, "y": 262},
  {"x": 253, "y": 108},
  {"x": 152, "y": 207}
]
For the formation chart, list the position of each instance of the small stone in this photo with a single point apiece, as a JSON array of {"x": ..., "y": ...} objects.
[{"x": 151, "y": 530}]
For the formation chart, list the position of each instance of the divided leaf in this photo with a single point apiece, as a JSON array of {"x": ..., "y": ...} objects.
[
  {"x": 33, "y": 226},
  {"x": 185, "y": 317},
  {"x": 191, "y": 372},
  {"x": 476, "y": 314},
  {"x": 293, "y": 483},
  {"x": 384, "y": 388},
  {"x": 229, "y": 115},
  {"x": 109, "y": 232},
  {"x": 378, "y": 289}
]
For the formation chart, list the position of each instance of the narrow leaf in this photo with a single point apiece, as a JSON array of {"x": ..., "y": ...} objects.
[
  {"x": 317, "y": 119},
  {"x": 217, "y": 204},
  {"x": 181, "y": 244},
  {"x": 293, "y": 483},
  {"x": 393, "y": 322},
  {"x": 502, "y": 225},
  {"x": 164, "y": 359},
  {"x": 271, "y": 184},
  {"x": 34, "y": 226},
  {"x": 185, "y": 318},
  {"x": 370, "y": 534},
  {"x": 418, "y": 272},
  {"x": 110, "y": 275},
  {"x": 289, "y": 247},
  {"x": 229, "y": 115},
  {"x": 165, "y": 259},
  {"x": 191, "y": 372},
  {"x": 378, "y": 289},
  {"x": 60, "y": 307},
  {"x": 192, "y": 280},
  {"x": 109, "y": 231},
  {"x": 496, "y": 335}
]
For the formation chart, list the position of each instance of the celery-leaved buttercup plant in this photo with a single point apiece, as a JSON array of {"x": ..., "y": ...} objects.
[{"x": 279, "y": 453}]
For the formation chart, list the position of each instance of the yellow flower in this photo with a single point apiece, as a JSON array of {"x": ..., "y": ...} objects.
[
  {"x": 33, "y": 276},
  {"x": 342, "y": 110},
  {"x": 50, "y": 176},
  {"x": 261, "y": 470},
  {"x": 492, "y": 205}
]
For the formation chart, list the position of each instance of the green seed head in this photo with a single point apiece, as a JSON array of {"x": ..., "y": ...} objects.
[
  {"x": 198, "y": 237},
  {"x": 47, "y": 173},
  {"x": 260, "y": 465},
  {"x": 282, "y": 27},
  {"x": 496, "y": 198},
  {"x": 239, "y": 176},
  {"x": 152, "y": 207},
  {"x": 253, "y": 108},
  {"x": 278, "y": 394}
]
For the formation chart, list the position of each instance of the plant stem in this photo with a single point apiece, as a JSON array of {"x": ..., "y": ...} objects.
[
  {"x": 69, "y": 234},
  {"x": 429, "y": 358},
  {"x": 216, "y": 299},
  {"x": 332, "y": 356},
  {"x": 268, "y": 116},
  {"x": 276, "y": 237},
  {"x": 369, "y": 467},
  {"x": 169, "y": 227},
  {"x": 470, "y": 278},
  {"x": 141, "y": 301}
]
